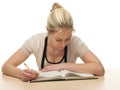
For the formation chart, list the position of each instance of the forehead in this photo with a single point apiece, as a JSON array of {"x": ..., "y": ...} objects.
[{"x": 63, "y": 34}]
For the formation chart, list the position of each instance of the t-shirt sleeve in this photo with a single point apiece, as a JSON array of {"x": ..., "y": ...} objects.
[
  {"x": 80, "y": 47},
  {"x": 28, "y": 46}
]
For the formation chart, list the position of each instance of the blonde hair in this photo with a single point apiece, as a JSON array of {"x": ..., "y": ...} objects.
[{"x": 59, "y": 18}]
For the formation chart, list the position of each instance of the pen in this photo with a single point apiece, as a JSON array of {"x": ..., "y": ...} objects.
[{"x": 29, "y": 68}]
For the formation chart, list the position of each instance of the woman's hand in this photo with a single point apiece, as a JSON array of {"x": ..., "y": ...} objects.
[
  {"x": 29, "y": 74},
  {"x": 54, "y": 67}
]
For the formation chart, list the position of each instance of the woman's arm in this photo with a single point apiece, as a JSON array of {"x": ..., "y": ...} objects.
[
  {"x": 10, "y": 67},
  {"x": 91, "y": 65}
]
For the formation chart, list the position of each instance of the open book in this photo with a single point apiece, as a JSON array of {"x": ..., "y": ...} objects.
[{"x": 62, "y": 75}]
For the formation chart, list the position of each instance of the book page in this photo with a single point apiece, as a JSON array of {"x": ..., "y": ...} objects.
[
  {"x": 48, "y": 76},
  {"x": 62, "y": 75},
  {"x": 53, "y": 73},
  {"x": 43, "y": 79},
  {"x": 77, "y": 76},
  {"x": 66, "y": 72}
]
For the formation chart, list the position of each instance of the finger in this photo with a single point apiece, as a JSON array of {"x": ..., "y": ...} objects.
[
  {"x": 25, "y": 79},
  {"x": 45, "y": 69},
  {"x": 26, "y": 74},
  {"x": 56, "y": 67},
  {"x": 33, "y": 72},
  {"x": 49, "y": 68}
]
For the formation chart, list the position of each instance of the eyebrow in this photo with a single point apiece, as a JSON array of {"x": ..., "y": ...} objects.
[{"x": 65, "y": 39}]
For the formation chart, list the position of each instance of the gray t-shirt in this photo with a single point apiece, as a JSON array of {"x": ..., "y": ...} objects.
[{"x": 35, "y": 45}]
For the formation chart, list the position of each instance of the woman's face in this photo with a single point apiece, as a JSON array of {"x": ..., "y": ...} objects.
[{"x": 60, "y": 39}]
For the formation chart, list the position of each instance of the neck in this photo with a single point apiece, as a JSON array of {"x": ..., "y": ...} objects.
[{"x": 54, "y": 55}]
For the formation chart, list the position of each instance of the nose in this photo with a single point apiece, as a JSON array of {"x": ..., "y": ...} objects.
[{"x": 63, "y": 44}]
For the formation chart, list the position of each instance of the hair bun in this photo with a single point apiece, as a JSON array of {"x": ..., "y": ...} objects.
[{"x": 56, "y": 6}]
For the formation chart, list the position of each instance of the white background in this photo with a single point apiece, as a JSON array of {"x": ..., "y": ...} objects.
[{"x": 97, "y": 23}]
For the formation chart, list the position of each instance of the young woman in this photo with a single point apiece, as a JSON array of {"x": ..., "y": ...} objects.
[{"x": 57, "y": 49}]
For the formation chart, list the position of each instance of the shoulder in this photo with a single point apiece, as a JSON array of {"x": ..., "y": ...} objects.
[
  {"x": 32, "y": 44},
  {"x": 76, "y": 40},
  {"x": 37, "y": 37},
  {"x": 34, "y": 40},
  {"x": 77, "y": 46}
]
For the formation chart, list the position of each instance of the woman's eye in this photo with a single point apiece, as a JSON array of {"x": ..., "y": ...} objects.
[
  {"x": 58, "y": 40},
  {"x": 68, "y": 39}
]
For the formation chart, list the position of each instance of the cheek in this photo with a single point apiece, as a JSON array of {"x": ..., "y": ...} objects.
[
  {"x": 67, "y": 43},
  {"x": 55, "y": 43}
]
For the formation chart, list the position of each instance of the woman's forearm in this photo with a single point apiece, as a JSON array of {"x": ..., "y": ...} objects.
[
  {"x": 92, "y": 68},
  {"x": 11, "y": 70}
]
